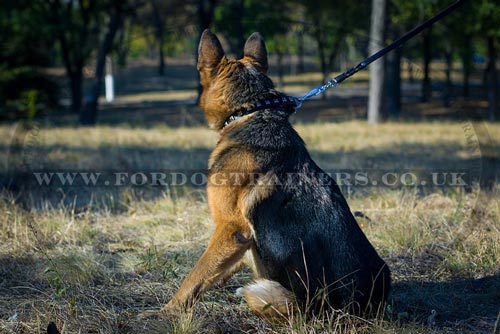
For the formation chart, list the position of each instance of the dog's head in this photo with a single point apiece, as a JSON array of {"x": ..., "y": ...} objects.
[{"x": 229, "y": 84}]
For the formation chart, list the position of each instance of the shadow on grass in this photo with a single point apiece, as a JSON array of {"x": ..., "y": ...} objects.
[
  {"x": 452, "y": 301},
  {"x": 111, "y": 161},
  {"x": 116, "y": 298},
  {"x": 120, "y": 181}
]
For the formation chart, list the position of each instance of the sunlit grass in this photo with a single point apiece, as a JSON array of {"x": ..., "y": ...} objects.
[{"x": 163, "y": 147}]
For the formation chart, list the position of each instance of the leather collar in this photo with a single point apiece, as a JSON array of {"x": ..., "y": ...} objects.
[{"x": 275, "y": 102}]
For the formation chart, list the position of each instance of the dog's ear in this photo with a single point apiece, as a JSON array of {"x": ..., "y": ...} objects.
[
  {"x": 210, "y": 52},
  {"x": 256, "y": 49}
]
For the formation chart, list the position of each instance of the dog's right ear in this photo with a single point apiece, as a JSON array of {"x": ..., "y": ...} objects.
[
  {"x": 210, "y": 52},
  {"x": 255, "y": 48}
]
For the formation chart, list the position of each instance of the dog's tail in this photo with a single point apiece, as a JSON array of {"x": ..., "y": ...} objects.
[{"x": 268, "y": 298}]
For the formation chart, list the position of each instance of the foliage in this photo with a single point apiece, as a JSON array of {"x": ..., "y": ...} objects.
[
  {"x": 237, "y": 19},
  {"x": 331, "y": 23},
  {"x": 167, "y": 21},
  {"x": 486, "y": 18},
  {"x": 25, "y": 49}
]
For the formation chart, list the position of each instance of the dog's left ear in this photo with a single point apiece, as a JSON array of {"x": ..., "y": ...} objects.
[
  {"x": 256, "y": 49},
  {"x": 210, "y": 52}
]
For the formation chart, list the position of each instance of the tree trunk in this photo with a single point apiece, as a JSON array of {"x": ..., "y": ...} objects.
[
  {"x": 393, "y": 83},
  {"x": 88, "y": 116},
  {"x": 76, "y": 82},
  {"x": 322, "y": 57},
  {"x": 324, "y": 69},
  {"x": 493, "y": 111},
  {"x": 411, "y": 76},
  {"x": 377, "y": 73},
  {"x": 123, "y": 42},
  {"x": 333, "y": 54},
  {"x": 160, "y": 32},
  {"x": 448, "y": 87},
  {"x": 72, "y": 63},
  {"x": 466, "y": 63},
  {"x": 161, "y": 65},
  {"x": 393, "y": 71},
  {"x": 426, "y": 82},
  {"x": 300, "y": 51}
]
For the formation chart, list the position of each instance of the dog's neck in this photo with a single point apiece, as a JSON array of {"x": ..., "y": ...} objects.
[{"x": 286, "y": 103}]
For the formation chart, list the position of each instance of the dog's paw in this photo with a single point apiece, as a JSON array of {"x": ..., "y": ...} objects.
[
  {"x": 173, "y": 308},
  {"x": 150, "y": 314},
  {"x": 239, "y": 292},
  {"x": 169, "y": 311}
]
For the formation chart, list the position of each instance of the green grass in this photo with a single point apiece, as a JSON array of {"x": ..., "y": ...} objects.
[{"x": 94, "y": 261}]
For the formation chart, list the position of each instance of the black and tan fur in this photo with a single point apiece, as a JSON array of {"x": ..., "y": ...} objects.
[{"x": 285, "y": 217}]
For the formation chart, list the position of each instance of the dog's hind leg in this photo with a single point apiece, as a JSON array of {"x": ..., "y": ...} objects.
[
  {"x": 251, "y": 260},
  {"x": 233, "y": 270},
  {"x": 268, "y": 298},
  {"x": 225, "y": 250}
]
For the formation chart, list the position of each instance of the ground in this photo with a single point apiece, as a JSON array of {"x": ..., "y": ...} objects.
[{"x": 92, "y": 258}]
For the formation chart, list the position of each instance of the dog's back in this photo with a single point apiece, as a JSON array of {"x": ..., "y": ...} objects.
[{"x": 305, "y": 233}]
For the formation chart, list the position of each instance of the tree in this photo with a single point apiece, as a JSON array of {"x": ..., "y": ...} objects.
[
  {"x": 270, "y": 18},
  {"x": 466, "y": 56},
  {"x": 393, "y": 70},
  {"x": 117, "y": 10},
  {"x": 164, "y": 18},
  {"x": 488, "y": 13},
  {"x": 377, "y": 70},
  {"x": 237, "y": 19},
  {"x": 492, "y": 81},
  {"x": 229, "y": 18},
  {"x": 76, "y": 26},
  {"x": 459, "y": 30},
  {"x": 450, "y": 33},
  {"x": 407, "y": 14},
  {"x": 25, "y": 49},
  {"x": 330, "y": 22},
  {"x": 427, "y": 55},
  {"x": 88, "y": 115},
  {"x": 160, "y": 33}
]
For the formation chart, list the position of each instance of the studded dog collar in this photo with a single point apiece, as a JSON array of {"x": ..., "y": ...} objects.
[{"x": 282, "y": 101}]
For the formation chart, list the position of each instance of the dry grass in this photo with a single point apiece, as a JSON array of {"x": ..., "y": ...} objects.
[{"x": 92, "y": 268}]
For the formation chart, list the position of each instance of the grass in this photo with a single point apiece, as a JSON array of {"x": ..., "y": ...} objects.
[{"x": 92, "y": 259}]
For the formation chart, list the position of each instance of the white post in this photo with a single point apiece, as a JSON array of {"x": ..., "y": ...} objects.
[{"x": 108, "y": 81}]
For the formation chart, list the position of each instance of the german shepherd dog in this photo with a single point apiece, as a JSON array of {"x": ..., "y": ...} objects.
[{"x": 283, "y": 216}]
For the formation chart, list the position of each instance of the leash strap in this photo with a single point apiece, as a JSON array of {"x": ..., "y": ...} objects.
[{"x": 403, "y": 39}]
